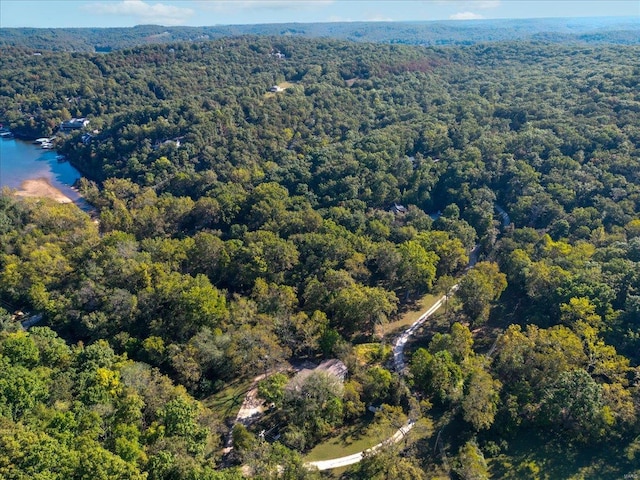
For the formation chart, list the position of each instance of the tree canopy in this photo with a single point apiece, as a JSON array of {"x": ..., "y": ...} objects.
[{"x": 238, "y": 230}]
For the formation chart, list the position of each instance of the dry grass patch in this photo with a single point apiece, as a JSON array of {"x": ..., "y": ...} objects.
[{"x": 391, "y": 329}]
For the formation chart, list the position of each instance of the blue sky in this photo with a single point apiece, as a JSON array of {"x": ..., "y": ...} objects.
[{"x": 126, "y": 13}]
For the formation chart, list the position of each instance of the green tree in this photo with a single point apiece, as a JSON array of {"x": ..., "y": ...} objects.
[
  {"x": 386, "y": 463},
  {"x": 277, "y": 462},
  {"x": 451, "y": 252},
  {"x": 376, "y": 384},
  {"x": 470, "y": 463},
  {"x": 481, "y": 398},
  {"x": 266, "y": 255},
  {"x": 459, "y": 342},
  {"x": 360, "y": 308},
  {"x": 354, "y": 407},
  {"x": 314, "y": 404},
  {"x": 438, "y": 375},
  {"x": 574, "y": 402},
  {"x": 53, "y": 351},
  {"x": 98, "y": 463},
  {"x": 272, "y": 388},
  {"x": 387, "y": 421},
  {"x": 179, "y": 417},
  {"x": 254, "y": 349},
  {"x": 417, "y": 268},
  {"x": 21, "y": 388},
  {"x": 479, "y": 288},
  {"x": 20, "y": 349},
  {"x": 179, "y": 305},
  {"x": 28, "y": 454},
  {"x": 243, "y": 440}
]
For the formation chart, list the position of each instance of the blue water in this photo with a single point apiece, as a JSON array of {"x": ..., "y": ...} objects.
[{"x": 20, "y": 161}]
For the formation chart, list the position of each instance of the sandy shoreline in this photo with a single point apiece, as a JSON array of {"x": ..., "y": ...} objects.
[{"x": 41, "y": 187}]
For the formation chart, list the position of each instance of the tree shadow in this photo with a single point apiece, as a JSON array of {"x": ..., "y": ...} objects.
[{"x": 535, "y": 454}]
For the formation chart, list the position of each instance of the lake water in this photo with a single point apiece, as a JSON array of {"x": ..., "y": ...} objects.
[{"x": 20, "y": 161}]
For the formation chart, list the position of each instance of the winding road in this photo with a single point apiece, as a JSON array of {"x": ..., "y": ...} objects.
[
  {"x": 253, "y": 406},
  {"x": 401, "y": 341},
  {"x": 357, "y": 457},
  {"x": 399, "y": 365}
]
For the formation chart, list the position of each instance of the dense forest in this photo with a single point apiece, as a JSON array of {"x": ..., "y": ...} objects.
[
  {"x": 616, "y": 30},
  {"x": 240, "y": 231}
]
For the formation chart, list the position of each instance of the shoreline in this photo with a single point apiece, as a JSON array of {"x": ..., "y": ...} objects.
[{"x": 41, "y": 188}]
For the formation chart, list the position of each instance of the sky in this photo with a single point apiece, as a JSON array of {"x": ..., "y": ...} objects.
[{"x": 127, "y": 13}]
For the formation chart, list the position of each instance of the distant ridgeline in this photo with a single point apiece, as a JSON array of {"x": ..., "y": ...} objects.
[{"x": 617, "y": 30}]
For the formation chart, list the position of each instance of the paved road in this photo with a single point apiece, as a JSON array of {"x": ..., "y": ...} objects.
[
  {"x": 400, "y": 366},
  {"x": 357, "y": 457},
  {"x": 401, "y": 341}
]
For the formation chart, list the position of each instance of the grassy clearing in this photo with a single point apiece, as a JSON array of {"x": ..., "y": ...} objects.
[
  {"x": 352, "y": 439},
  {"x": 391, "y": 329},
  {"x": 283, "y": 85},
  {"x": 228, "y": 400},
  {"x": 357, "y": 438}
]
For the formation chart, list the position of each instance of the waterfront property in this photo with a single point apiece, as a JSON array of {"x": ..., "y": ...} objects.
[
  {"x": 74, "y": 124},
  {"x": 21, "y": 161}
]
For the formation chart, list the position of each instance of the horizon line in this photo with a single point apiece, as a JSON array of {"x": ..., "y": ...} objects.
[{"x": 218, "y": 25}]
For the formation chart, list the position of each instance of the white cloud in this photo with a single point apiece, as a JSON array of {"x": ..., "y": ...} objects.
[
  {"x": 237, "y": 6},
  {"x": 465, "y": 16},
  {"x": 143, "y": 12}
]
